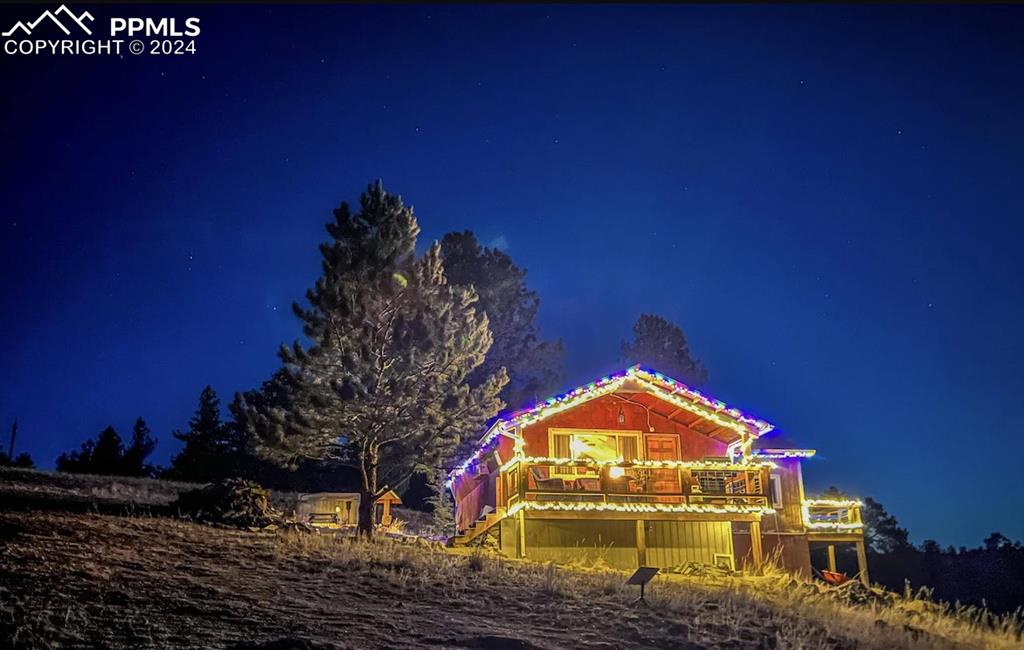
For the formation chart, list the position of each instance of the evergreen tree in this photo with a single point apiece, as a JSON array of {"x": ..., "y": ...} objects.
[
  {"x": 22, "y": 460},
  {"x": 108, "y": 452},
  {"x": 384, "y": 384},
  {"x": 441, "y": 506},
  {"x": 142, "y": 445},
  {"x": 661, "y": 345},
  {"x": 882, "y": 533},
  {"x": 534, "y": 365},
  {"x": 210, "y": 446},
  {"x": 102, "y": 456}
]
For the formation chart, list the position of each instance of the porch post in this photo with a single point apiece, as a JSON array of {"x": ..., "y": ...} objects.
[
  {"x": 862, "y": 563},
  {"x": 522, "y": 534},
  {"x": 756, "y": 552},
  {"x": 832, "y": 558},
  {"x": 641, "y": 542}
]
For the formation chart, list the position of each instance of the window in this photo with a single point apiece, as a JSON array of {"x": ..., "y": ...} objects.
[
  {"x": 776, "y": 493},
  {"x": 715, "y": 481},
  {"x": 595, "y": 445}
]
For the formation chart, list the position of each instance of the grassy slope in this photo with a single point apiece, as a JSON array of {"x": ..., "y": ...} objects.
[{"x": 93, "y": 579}]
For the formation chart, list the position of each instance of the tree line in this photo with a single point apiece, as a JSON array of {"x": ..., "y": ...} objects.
[
  {"x": 404, "y": 360},
  {"x": 991, "y": 575}
]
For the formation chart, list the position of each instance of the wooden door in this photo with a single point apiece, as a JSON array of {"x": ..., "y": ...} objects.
[{"x": 663, "y": 448}]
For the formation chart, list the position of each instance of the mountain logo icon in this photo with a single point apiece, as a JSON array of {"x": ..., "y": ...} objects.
[{"x": 68, "y": 15}]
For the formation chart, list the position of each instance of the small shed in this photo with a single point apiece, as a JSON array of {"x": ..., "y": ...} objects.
[{"x": 342, "y": 508}]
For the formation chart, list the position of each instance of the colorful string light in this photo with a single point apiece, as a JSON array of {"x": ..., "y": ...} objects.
[
  {"x": 670, "y": 390},
  {"x": 562, "y": 506},
  {"x": 783, "y": 454},
  {"x": 644, "y": 464}
]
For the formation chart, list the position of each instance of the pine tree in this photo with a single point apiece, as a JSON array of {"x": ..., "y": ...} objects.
[
  {"x": 882, "y": 531},
  {"x": 102, "y": 456},
  {"x": 441, "y": 506},
  {"x": 209, "y": 449},
  {"x": 142, "y": 445},
  {"x": 534, "y": 365},
  {"x": 24, "y": 461},
  {"x": 383, "y": 385},
  {"x": 661, "y": 345}
]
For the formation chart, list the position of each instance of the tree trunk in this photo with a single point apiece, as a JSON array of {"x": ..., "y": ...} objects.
[
  {"x": 366, "y": 506},
  {"x": 368, "y": 493}
]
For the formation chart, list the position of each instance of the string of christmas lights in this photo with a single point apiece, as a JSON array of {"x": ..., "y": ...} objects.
[
  {"x": 645, "y": 464},
  {"x": 783, "y": 454},
  {"x": 672, "y": 391},
  {"x": 726, "y": 509},
  {"x": 831, "y": 525}
]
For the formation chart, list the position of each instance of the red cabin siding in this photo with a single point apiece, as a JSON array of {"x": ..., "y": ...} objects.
[{"x": 603, "y": 413}]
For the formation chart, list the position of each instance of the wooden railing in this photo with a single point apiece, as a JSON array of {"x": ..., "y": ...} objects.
[
  {"x": 471, "y": 505},
  {"x": 832, "y": 515},
  {"x": 584, "y": 482}
]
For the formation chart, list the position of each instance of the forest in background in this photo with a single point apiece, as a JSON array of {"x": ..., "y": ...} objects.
[{"x": 474, "y": 303}]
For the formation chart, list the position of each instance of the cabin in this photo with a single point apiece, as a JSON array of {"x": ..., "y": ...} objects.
[
  {"x": 638, "y": 469},
  {"x": 341, "y": 509}
]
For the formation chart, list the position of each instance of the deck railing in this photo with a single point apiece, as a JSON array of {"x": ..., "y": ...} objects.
[
  {"x": 562, "y": 480},
  {"x": 832, "y": 515}
]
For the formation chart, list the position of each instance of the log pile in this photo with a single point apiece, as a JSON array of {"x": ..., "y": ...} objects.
[
  {"x": 701, "y": 570},
  {"x": 234, "y": 503},
  {"x": 853, "y": 592}
]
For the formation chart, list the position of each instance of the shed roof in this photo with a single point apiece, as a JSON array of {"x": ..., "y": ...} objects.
[{"x": 390, "y": 495}]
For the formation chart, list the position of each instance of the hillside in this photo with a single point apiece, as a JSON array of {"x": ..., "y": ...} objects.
[{"x": 86, "y": 578}]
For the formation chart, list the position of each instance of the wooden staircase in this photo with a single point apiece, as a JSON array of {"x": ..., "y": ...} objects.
[{"x": 479, "y": 527}]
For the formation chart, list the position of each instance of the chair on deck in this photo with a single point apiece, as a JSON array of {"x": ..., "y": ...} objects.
[
  {"x": 545, "y": 483},
  {"x": 588, "y": 484}
]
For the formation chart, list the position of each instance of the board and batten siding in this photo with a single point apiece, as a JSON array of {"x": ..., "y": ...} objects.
[
  {"x": 668, "y": 543},
  {"x": 671, "y": 543},
  {"x": 587, "y": 542}
]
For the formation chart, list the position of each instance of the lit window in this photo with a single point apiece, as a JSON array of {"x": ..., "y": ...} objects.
[{"x": 602, "y": 447}]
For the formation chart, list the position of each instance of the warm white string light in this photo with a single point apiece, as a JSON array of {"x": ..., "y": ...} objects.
[
  {"x": 838, "y": 504},
  {"x": 670, "y": 390},
  {"x": 563, "y": 506}
]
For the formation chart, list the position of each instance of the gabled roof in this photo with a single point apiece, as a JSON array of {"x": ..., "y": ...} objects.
[
  {"x": 636, "y": 378},
  {"x": 647, "y": 380}
]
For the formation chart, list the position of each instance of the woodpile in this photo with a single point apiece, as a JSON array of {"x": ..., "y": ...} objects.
[
  {"x": 853, "y": 592},
  {"x": 700, "y": 569},
  {"x": 234, "y": 503}
]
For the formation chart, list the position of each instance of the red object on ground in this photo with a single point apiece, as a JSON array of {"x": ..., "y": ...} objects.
[{"x": 834, "y": 578}]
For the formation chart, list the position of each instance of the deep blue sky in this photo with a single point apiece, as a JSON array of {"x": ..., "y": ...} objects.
[{"x": 827, "y": 199}]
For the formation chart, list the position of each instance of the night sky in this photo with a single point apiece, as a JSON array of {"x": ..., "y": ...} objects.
[{"x": 827, "y": 199}]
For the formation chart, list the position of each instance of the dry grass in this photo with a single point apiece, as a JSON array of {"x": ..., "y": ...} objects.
[
  {"x": 92, "y": 580},
  {"x": 43, "y": 489}
]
